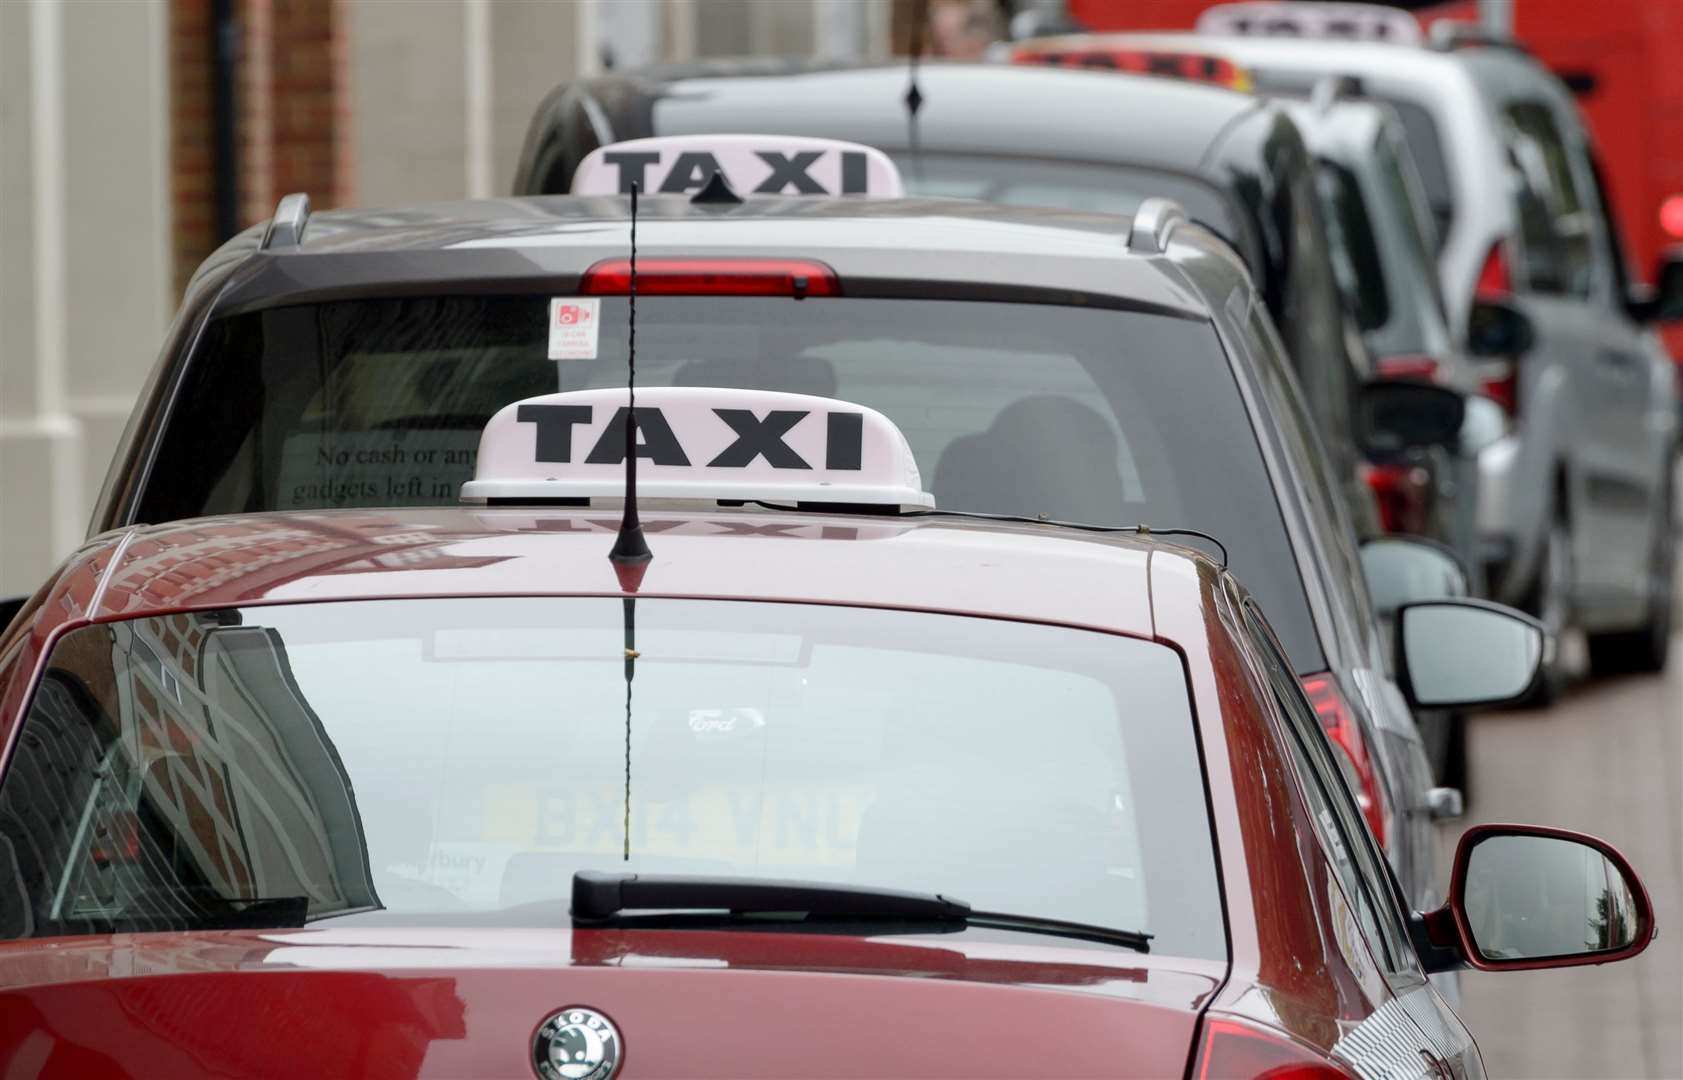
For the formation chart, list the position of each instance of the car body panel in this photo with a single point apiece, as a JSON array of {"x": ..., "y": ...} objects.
[{"x": 430, "y": 1003}]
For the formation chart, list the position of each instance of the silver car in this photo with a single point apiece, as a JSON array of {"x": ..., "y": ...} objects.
[{"x": 1574, "y": 514}]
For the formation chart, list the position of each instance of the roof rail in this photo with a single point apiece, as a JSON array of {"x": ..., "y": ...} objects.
[
  {"x": 286, "y": 228},
  {"x": 1447, "y": 35},
  {"x": 1153, "y": 221},
  {"x": 1332, "y": 89}
]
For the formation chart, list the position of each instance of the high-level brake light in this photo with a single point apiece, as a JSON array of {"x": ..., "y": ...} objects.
[{"x": 712, "y": 277}]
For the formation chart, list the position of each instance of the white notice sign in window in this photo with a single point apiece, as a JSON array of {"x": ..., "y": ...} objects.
[{"x": 572, "y": 327}]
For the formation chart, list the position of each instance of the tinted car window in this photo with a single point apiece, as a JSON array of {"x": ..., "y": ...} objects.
[
  {"x": 1354, "y": 248},
  {"x": 1426, "y": 145},
  {"x": 1102, "y": 416},
  {"x": 1556, "y": 227},
  {"x": 1310, "y": 313},
  {"x": 460, "y": 759},
  {"x": 1336, "y": 559},
  {"x": 1413, "y": 247}
]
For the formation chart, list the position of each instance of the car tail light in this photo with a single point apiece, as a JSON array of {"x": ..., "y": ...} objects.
[
  {"x": 1671, "y": 216},
  {"x": 1503, "y": 389},
  {"x": 1423, "y": 368},
  {"x": 712, "y": 277},
  {"x": 1339, "y": 720},
  {"x": 1235, "y": 1050},
  {"x": 1399, "y": 492},
  {"x": 1496, "y": 283}
]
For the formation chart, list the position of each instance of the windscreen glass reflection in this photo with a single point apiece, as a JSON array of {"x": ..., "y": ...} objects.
[
  {"x": 460, "y": 759},
  {"x": 1533, "y": 897}
]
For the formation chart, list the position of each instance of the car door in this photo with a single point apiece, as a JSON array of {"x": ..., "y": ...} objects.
[
  {"x": 1642, "y": 416},
  {"x": 1596, "y": 379},
  {"x": 1413, "y": 1031}
]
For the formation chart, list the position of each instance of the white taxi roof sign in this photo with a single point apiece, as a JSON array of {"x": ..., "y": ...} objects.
[
  {"x": 697, "y": 443},
  {"x": 1336, "y": 21},
  {"x": 751, "y": 164}
]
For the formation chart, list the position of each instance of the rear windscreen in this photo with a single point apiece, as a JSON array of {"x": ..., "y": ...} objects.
[
  {"x": 458, "y": 760},
  {"x": 1080, "y": 414},
  {"x": 1066, "y": 185}
]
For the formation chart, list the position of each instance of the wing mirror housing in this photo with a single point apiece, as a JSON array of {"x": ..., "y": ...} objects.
[
  {"x": 1497, "y": 328},
  {"x": 1464, "y": 653},
  {"x": 1662, "y": 301},
  {"x": 1524, "y": 896},
  {"x": 1409, "y": 569},
  {"x": 1397, "y": 415}
]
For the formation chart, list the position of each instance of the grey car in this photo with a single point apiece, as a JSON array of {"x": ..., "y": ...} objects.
[{"x": 1021, "y": 351}]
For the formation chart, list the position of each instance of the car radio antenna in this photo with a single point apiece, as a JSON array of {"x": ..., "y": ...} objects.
[
  {"x": 914, "y": 95},
  {"x": 630, "y": 554}
]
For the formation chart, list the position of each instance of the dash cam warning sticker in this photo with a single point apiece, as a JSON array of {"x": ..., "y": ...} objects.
[{"x": 572, "y": 327}]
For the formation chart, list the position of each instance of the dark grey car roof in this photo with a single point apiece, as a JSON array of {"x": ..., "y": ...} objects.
[
  {"x": 876, "y": 246},
  {"x": 967, "y": 108}
]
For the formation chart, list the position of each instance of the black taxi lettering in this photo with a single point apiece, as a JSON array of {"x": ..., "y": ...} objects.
[
  {"x": 631, "y": 166},
  {"x": 789, "y": 170},
  {"x": 655, "y": 441},
  {"x": 755, "y": 437},
  {"x": 692, "y": 170},
  {"x": 791, "y": 173}
]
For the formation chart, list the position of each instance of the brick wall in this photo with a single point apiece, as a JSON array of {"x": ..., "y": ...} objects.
[{"x": 292, "y": 121}]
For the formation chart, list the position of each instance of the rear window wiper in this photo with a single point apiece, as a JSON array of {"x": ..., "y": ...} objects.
[{"x": 599, "y": 898}]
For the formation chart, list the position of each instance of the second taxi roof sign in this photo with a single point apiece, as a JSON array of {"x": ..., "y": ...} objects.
[{"x": 751, "y": 164}]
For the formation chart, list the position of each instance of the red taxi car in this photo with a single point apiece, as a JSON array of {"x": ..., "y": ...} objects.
[{"x": 837, "y": 784}]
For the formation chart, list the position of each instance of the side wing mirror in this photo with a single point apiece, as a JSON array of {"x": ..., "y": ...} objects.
[
  {"x": 1523, "y": 896},
  {"x": 1496, "y": 328},
  {"x": 1409, "y": 569},
  {"x": 1461, "y": 653},
  {"x": 1395, "y": 415},
  {"x": 1663, "y": 301}
]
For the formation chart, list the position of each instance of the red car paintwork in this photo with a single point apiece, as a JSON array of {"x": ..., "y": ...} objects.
[
  {"x": 383, "y": 1002},
  {"x": 458, "y": 1002}
]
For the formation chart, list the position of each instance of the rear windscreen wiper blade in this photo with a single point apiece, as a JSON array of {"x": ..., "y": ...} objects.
[
  {"x": 599, "y": 897},
  {"x": 1138, "y": 940}
]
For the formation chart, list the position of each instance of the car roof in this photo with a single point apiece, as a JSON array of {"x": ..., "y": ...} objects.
[
  {"x": 1027, "y": 571},
  {"x": 890, "y": 247},
  {"x": 966, "y": 108}
]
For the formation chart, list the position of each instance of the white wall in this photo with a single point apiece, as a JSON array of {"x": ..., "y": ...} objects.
[
  {"x": 84, "y": 257},
  {"x": 440, "y": 94},
  {"x": 442, "y": 90}
]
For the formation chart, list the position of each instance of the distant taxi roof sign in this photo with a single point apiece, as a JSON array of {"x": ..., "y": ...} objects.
[
  {"x": 1338, "y": 21},
  {"x": 751, "y": 164},
  {"x": 697, "y": 443}
]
